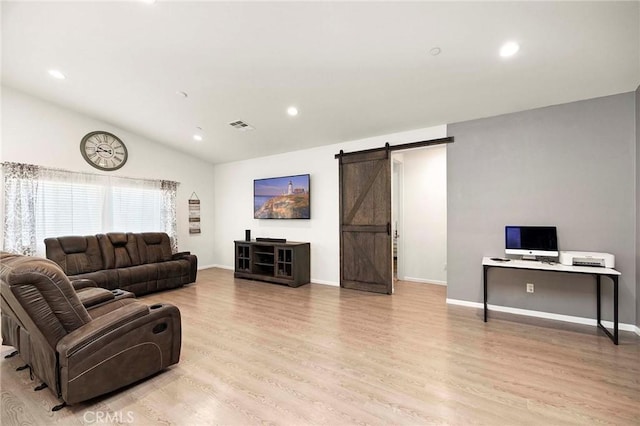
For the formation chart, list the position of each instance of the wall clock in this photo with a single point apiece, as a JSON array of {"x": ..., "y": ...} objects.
[{"x": 103, "y": 150}]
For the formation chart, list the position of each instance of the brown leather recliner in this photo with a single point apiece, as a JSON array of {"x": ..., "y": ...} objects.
[{"x": 81, "y": 354}]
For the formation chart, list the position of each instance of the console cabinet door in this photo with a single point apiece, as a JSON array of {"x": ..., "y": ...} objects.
[
  {"x": 284, "y": 262},
  {"x": 243, "y": 258}
]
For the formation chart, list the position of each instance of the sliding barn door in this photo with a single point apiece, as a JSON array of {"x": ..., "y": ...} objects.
[{"x": 365, "y": 221}]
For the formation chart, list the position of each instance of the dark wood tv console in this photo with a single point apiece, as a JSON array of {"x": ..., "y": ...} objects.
[{"x": 282, "y": 263}]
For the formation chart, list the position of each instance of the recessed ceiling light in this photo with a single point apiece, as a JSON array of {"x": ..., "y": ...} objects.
[
  {"x": 57, "y": 74},
  {"x": 183, "y": 94},
  {"x": 435, "y": 51},
  {"x": 509, "y": 49},
  {"x": 197, "y": 138},
  {"x": 292, "y": 111}
]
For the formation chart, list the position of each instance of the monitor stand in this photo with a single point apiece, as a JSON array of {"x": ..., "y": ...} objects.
[{"x": 526, "y": 257}]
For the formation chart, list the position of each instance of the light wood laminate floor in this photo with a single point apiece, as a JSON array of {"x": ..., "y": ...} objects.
[{"x": 254, "y": 353}]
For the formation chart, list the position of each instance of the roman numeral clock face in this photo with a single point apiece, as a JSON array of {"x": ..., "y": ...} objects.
[{"x": 103, "y": 151}]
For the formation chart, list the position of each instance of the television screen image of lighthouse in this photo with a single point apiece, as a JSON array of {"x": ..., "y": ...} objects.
[{"x": 281, "y": 198}]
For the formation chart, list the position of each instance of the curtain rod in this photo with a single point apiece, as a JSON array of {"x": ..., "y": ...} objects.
[{"x": 53, "y": 169}]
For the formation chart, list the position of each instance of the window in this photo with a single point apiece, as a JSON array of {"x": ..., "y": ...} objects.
[
  {"x": 42, "y": 203},
  {"x": 65, "y": 208},
  {"x": 136, "y": 209}
]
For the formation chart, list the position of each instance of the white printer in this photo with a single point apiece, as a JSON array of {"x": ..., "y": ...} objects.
[{"x": 587, "y": 258}]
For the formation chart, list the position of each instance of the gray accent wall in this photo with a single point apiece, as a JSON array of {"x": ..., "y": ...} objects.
[
  {"x": 638, "y": 207},
  {"x": 570, "y": 165}
]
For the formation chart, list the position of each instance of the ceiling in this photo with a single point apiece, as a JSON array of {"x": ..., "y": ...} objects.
[{"x": 353, "y": 69}]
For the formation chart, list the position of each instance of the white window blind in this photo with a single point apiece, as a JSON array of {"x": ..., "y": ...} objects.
[
  {"x": 136, "y": 209},
  {"x": 64, "y": 208}
]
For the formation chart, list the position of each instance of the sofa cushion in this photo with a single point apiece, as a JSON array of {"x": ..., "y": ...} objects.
[
  {"x": 154, "y": 247},
  {"x": 74, "y": 244},
  {"x": 139, "y": 279},
  {"x": 119, "y": 250},
  {"x": 75, "y": 255},
  {"x": 118, "y": 239}
]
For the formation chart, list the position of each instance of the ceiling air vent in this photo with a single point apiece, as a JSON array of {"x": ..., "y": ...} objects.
[{"x": 240, "y": 125}]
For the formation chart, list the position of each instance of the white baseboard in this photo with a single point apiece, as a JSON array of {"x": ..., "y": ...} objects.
[
  {"x": 545, "y": 315},
  {"x": 424, "y": 281},
  {"x": 215, "y": 266},
  {"x": 464, "y": 303},
  {"x": 637, "y": 330},
  {"x": 324, "y": 282},
  {"x": 201, "y": 267}
]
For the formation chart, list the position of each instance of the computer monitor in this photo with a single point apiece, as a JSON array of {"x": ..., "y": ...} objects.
[{"x": 531, "y": 241}]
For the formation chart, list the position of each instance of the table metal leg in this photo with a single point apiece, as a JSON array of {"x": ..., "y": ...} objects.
[
  {"x": 484, "y": 281},
  {"x": 613, "y": 336},
  {"x": 614, "y": 278},
  {"x": 598, "y": 297}
]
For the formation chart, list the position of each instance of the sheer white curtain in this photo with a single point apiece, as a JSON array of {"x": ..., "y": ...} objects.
[
  {"x": 20, "y": 187},
  {"x": 168, "y": 211},
  {"x": 42, "y": 202}
]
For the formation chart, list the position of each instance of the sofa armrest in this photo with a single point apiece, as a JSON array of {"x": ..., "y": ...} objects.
[
  {"x": 92, "y": 296},
  {"x": 180, "y": 255},
  {"x": 193, "y": 263},
  {"x": 99, "y": 327},
  {"x": 83, "y": 283}
]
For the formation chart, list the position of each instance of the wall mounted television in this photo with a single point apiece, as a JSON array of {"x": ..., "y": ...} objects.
[
  {"x": 286, "y": 197},
  {"x": 531, "y": 241}
]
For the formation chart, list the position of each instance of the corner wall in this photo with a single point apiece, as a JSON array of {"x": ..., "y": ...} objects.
[
  {"x": 424, "y": 239},
  {"x": 637, "y": 96},
  {"x": 570, "y": 165},
  {"x": 38, "y": 132},
  {"x": 233, "y": 183}
]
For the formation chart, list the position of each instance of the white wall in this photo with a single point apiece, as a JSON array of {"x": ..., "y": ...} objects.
[
  {"x": 396, "y": 211},
  {"x": 38, "y": 132},
  {"x": 425, "y": 215},
  {"x": 233, "y": 198}
]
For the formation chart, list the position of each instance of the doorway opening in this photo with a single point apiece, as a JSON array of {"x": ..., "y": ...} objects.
[
  {"x": 419, "y": 214},
  {"x": 396, "y": 213}
]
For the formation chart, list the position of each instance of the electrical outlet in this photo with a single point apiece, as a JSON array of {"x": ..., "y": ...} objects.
[{"x": 529, "y": 287}]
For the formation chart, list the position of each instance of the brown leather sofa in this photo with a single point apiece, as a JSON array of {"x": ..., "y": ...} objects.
[
  {"x": 82, "y": 353},
  {"x": 137, "y": 262}
]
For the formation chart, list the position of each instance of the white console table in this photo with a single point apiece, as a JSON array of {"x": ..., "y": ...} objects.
[{"x": 597, "y": 272}]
